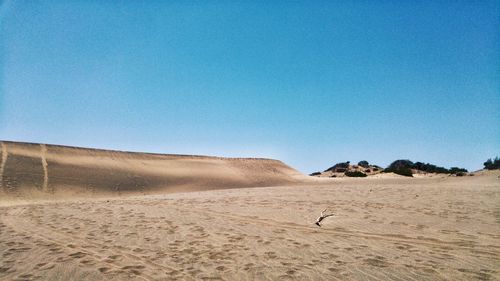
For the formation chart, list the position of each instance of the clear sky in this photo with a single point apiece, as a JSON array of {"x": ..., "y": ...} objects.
[{"x": 309, "y": 83}]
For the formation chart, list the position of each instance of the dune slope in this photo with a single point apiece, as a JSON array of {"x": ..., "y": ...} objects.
[{"x": 29, "y": 171}]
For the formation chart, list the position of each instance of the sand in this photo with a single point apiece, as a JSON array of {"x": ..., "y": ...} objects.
[
  {"x": 384, "y": 228},
  {"x": 39, "y": 171}
]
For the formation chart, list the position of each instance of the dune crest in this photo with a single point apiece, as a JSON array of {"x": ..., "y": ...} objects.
[{"x": 40, "y": 171}]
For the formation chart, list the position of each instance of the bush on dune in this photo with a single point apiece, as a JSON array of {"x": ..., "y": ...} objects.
[
  {"x": 401, "y": 167},
  {"x": 364, "y": 164},
  {"x": 492, "y": 164},
  {"x": 404, "y": 167},
  {"x": 339, "y": 166},
  {"x": 457, "y": 171},
  {"x": 355, "y": 174},
  {"x": 404, "y": 172},
  {"x": 400, "y": 164},
  {"x": 430, "y": 168}
]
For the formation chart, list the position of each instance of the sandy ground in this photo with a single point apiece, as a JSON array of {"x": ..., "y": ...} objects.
[{"x": 384, "y": 229}]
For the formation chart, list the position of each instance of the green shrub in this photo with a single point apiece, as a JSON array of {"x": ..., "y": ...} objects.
[
  {"x": 355, "y": 174},
  {"x": 404, "y": 172},
  {"x": 492, "y": 164},
  {"x": 430, "y": 168},
  {"x": 364, "y": 164},
  {"x": 338, "y": 166},
  {"x": 456, "y": 170},
  {"x": 401, "y": 167},
  {"x": 400, "y": 164}
]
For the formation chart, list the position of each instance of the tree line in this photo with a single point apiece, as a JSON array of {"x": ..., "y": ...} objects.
[{"x": 404, "y": 167}]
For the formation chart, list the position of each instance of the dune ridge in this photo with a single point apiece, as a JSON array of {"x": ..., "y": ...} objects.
[{"x": 43, "y": 171}]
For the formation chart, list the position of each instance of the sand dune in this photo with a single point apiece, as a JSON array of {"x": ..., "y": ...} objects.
[
  {"x": 39, "y": 171},
  {"x": 384, "y": 228}
]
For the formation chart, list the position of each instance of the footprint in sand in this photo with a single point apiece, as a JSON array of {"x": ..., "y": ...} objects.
[
  {"x": 378, "y": 261},
  {"x": 271, "y": 255},
  {"x": 220, "y": 268},
  {"x": 134, "y": 269},
  {"x": 78, "y": 255},
  {"x": 104, "y": 269}
]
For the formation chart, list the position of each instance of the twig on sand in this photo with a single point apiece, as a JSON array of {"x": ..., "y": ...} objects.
[{"x": 322, "y": 217}]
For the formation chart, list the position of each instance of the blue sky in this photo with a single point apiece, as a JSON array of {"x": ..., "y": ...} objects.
[{"x": 309, "y": 83}]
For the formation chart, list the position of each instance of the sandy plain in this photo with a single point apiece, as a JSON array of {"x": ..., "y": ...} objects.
[{"x": 384, "y": 228}]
